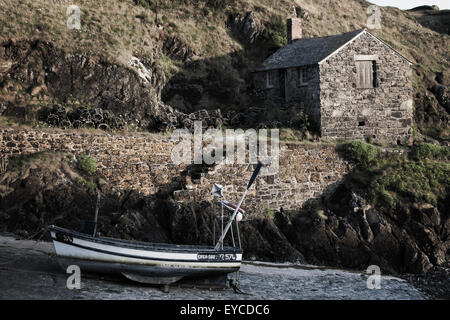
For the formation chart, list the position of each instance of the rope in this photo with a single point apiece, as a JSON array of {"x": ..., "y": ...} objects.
[
  {"x": 232, "y": 236},
  {"x": 221, "y": 214},
  {"x": 234, "y": 284},
  {"x": 236, "y": 289},
  {"x": 239, "y": 237},
  {"x": 44, "y": 230}
]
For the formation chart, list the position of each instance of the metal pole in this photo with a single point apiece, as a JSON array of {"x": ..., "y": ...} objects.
[
  {"x": 220, "y": 242},
  {"x": 213, "y": 218},
  {"x": 224, "y": 232}
]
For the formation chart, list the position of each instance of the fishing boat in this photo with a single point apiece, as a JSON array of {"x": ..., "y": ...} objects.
[{"x": 153, "y": 263}]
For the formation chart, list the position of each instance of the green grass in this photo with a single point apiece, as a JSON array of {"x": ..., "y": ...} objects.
[
  {"x": 86, "y": 184},
  {"x": 399, "y": 181},
  {"x": 87, "y": 164},
  {"x": 18, "y": 161},
  {"x": 3, "y": 166},
  {"x": 427, "y": 151},
  {"x": 268, "y": 213},
  {"x": 90, "y": 185}
]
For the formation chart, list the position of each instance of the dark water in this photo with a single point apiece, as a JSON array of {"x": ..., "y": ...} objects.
[{"x": 28, "y": 270}]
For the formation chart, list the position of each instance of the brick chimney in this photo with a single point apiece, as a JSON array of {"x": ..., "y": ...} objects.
[{"x": 294, "y": 29}]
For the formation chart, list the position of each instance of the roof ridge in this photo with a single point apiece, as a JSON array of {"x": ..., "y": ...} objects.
[
  {"x": 310, "y": 51},
  {"x": 332, "y": 35},
  {"x": 315, "y": 49}
]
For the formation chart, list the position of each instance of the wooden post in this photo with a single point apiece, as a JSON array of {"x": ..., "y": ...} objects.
[{"x": 97, "y": 206}]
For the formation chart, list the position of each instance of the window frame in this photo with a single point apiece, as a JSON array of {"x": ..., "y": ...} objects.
[
  {"x": 301, "y": 77},
  {"x": 269, "y": 79}
]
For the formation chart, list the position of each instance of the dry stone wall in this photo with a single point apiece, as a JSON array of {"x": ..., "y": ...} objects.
[{"x": 143, "y": 162}]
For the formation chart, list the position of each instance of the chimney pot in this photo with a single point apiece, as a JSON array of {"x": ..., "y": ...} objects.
[{"x": 294, "y": 29}]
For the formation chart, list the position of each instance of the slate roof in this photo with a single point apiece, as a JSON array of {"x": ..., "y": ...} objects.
[{"x": 308, "y": 51}]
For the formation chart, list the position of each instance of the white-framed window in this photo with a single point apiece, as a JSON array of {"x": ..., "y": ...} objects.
[
  {"x": 302, "y": 79},
  {"x": 269, "y": 79}
]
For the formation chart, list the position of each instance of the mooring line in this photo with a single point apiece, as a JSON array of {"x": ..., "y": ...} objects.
[{"x": 31, "y": 248}]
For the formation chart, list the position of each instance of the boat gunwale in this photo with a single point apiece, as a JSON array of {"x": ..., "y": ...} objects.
[{"x": 147, "y": 246}]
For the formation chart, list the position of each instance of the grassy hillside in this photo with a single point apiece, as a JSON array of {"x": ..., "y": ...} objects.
[{"x": 219, "y": 60}]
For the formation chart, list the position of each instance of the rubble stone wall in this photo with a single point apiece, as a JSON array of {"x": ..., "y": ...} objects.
[
  {"x": 384, "y": 113},
  {"x": 142, "y": 162},
  {"x": 333, "y": 101}
]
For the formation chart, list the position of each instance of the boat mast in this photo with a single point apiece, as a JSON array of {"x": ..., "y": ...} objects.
[{"x": 252, "y": 179}]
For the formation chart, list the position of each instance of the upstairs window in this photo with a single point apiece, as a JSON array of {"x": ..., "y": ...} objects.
[
  {"x": 269, "y": 79},
  {"x": 366, "y": 74},
  {"x": 302, "y": 77}
]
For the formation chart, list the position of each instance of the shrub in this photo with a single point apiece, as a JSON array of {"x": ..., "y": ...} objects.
[
  {"x": 275, "y": 32},
  {"x": 424, "y": 151},
  {"x": 275, "y": 37},
  {"x": 90, "y": 185},
  {"x": 359, "y": 152},
  {"x": 301, "y": 122},
  {"x": 87, "y": 164}
]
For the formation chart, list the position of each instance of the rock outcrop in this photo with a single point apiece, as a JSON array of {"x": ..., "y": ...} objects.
[
  {"x": 245, "y": 26},
  {"x": 40, "y": 73},
  {"x": 442, "y": 94},
  {"x": 89, "y": 91}
]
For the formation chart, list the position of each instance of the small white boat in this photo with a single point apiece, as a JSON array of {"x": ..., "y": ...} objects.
[
  {"x": 154, "y": 263},
  {"x": 140, "y": 261}
]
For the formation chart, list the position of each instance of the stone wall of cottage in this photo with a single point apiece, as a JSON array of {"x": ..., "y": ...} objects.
[
  {"x": 143, "y": 162},
  {"x": 270, "y": 95},
  {"x": 305, "y": 97},
  {"x": 298, "y": 98},
  {"x": 384, "y": 113}
]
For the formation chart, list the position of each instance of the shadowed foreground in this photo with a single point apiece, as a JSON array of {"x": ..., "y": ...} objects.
[{"x": 28, "y": 270}]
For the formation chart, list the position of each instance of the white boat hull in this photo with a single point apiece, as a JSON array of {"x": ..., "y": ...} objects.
[{"x": 105, "y": 255}]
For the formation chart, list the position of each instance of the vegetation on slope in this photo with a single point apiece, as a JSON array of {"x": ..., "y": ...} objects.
[
  {"x": 216, "y": 72},
  {"x": 398, "y": 182}
]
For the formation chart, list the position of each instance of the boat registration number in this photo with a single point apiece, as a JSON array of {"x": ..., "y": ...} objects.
[{"x": 216, "y": 256}]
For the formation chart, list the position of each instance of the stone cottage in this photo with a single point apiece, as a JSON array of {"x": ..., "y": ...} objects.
[{"x": 352, "y": 85}]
